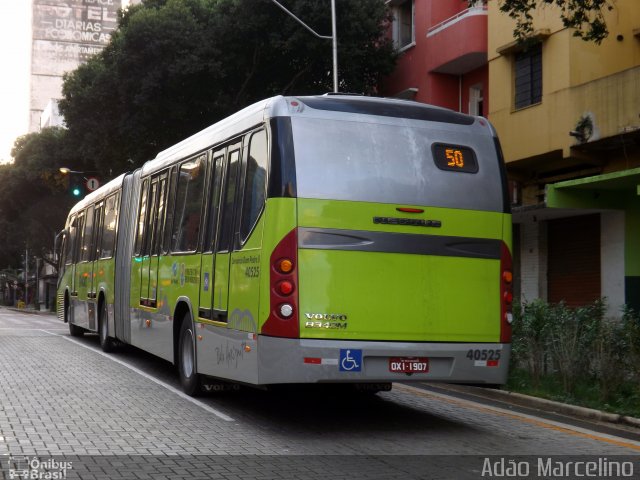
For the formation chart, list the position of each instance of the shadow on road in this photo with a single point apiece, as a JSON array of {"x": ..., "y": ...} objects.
[{"x": 309, "y": 409}]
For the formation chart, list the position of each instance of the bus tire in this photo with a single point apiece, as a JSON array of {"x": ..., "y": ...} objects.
[
  {"x": 107, "y": 343},
  {"x": 189, "y": 379},
  {"x": 74, "y": 330}
]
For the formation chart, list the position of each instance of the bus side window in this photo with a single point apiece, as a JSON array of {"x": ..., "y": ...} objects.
[
  {"x": 97, "y": 231},
  {"x": 168, "y": 223},
  {"x": 77, "y": 248},
  {"x": 142, "y": 214},
  {"x": 87, "y": 236},
  {"x": 254, "y": 189},
  {"x": 156, "y": 247},
  {"x": 217, "y": 171},
  {"x": 226, "y": 224},
  {"x": 188, "y": 206},
  {"x": 153, "y": 237},
  {"x": 109, "y": 227},
  {"x": 61, "y": 254},
  {"x": 69, "y": 242},
  {"x": 152, "y": 216}
]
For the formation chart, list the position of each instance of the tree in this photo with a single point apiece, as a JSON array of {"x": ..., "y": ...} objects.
[
  {"x": 174, "y": 67},
  {"x": 586, "y": 17},
  {"x": 34, "y": 200}
]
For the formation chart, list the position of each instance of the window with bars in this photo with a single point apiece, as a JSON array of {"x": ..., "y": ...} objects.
[{"x": 528, "y": 76}]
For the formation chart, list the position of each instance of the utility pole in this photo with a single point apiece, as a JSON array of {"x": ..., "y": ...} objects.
[
  {"x": 37, "y": 289},
  {"x": 333, "y": 37},
  {"x": 26, "y": 275}
]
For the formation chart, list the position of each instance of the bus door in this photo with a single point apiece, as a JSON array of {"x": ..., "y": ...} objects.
[
  {"x": 93, "y": 283},
  {"x": 77, "y": 256},
  {"x": 142, "y": 242},
  {"x": 152, "y": 242},
  {"x": 244, "y": 272},
  {"x": 69, "y": 250},
  {"x": 220, "y": 259},
  {"x": 84, "y": 268},
  {"x": 217, "y": 169}
]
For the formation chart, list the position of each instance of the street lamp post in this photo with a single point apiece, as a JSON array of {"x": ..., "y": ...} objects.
[
  {"x": 66, "y": 171},
  {"x": 333, "y": 37},
  {"x": 90, "y": 182}
]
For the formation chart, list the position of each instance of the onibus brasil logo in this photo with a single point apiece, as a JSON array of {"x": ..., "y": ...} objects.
[{"x": 24, "y": 467}]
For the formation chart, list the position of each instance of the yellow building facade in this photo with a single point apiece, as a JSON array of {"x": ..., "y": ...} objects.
[{"x": 568, "y": 116}]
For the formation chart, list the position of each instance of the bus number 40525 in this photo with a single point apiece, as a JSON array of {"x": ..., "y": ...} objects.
[{"x": 477, "y": 354}]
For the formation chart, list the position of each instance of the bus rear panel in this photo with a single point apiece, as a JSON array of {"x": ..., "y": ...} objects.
[{"x": 400, "y": 246}]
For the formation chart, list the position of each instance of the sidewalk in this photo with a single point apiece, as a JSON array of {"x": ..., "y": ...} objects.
[{"x": 543, "y": 404}]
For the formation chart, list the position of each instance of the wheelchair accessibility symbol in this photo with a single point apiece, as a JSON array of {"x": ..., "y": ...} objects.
[{"x": 350, "y": 360}]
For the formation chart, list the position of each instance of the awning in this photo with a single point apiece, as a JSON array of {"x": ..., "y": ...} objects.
[{"x": 616, "y": 190}]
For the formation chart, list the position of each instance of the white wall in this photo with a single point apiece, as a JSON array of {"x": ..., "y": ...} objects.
[
  {"x": 533, "y": 260},
  {"x": 612, "y": 225}
]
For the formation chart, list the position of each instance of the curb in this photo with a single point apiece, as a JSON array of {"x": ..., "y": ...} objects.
[
  {"x": 29, "y": 311},
  {"x": 544, "y": 404}
]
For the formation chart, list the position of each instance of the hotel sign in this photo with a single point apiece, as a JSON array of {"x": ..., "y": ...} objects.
[{"x": 67, "y": 32}]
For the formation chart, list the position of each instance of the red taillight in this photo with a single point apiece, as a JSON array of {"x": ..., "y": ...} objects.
[
  {"x": 283, "y": 318},
  {"x": 506, "y": 294},
  {"x": 285, "y": 288}
]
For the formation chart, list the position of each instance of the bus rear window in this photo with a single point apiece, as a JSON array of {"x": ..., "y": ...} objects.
[{"x": 368, "y": 161}]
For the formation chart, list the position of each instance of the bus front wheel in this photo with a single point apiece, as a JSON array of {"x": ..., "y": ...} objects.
[
  {"x": 189, "y": 379},
  {"x": 74, "y": 330},
  {"x": 107, "y": 343}
]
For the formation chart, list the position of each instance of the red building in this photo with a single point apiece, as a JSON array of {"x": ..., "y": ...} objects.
[{"x": 443, "y": 54}]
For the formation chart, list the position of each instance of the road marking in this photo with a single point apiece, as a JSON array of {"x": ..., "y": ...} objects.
[
  {"x": 196, "y": 402},
  {"x": 548, "y": 424}
]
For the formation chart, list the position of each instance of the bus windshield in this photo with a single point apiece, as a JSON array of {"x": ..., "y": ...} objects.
[{"x": 394, "y": 164}]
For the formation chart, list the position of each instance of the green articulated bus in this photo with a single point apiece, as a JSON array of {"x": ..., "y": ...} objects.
[{"x": 320, "y": 239}]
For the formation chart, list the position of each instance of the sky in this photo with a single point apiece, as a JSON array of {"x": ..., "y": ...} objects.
[{"x": 15, "y": 53}]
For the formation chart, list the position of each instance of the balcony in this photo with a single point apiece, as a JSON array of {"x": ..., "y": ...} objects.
[{"x": 459, "y": 44}]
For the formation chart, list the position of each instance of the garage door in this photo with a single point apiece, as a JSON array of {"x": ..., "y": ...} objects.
[{"x": 574, "y": 260}]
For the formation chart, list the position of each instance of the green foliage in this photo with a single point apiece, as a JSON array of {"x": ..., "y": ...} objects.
[
  {"x": 176, "y": 66},
  {"x": 577, "y": 355},
  {"x": 571, "y": 335},
  {"x": 625, "y": 400},
  {"x": 172, "y": 68},
  {"x": 530, "y": 336},
  {"x": 586, "y": 17},
  {"x": 609, "y": 358},
  {"x": 631, "y": 333},
  {"x": 33, "y": 198}
]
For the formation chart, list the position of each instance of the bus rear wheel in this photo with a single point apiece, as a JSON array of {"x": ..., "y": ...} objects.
[
  {"x": 189, "y": 379},
  {"x": 107, "y": 343}
]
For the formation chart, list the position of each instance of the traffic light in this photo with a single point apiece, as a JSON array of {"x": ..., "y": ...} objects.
[{"x": 76, "y": 189}]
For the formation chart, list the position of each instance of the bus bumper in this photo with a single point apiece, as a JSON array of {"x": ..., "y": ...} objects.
[{"x": 284, "y": 360}]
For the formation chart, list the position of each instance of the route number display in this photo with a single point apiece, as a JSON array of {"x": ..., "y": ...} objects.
[{"x": 455, "y": 158}]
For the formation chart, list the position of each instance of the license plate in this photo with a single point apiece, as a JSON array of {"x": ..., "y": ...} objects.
[{"x": 409, "y": 364}]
